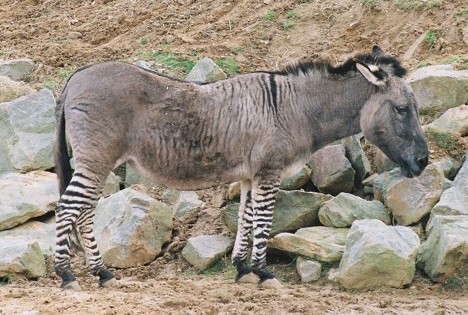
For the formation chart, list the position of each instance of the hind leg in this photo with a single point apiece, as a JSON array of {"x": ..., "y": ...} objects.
[
  {"x": 79, "y": 198},
  {"x": 244, "y": 229}
]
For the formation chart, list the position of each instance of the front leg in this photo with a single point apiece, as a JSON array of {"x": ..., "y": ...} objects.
[{"x": 264, "y": 193}]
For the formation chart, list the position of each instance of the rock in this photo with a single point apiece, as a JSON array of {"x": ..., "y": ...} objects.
[
  {"x": 445, "y": 252},
  {"x": 344, "y": 209},
  {"x": 324, "y": 234},
  {"x": 26, "y": 196},
  {"x": 206, "y": 70},
  {"x": 449, "y": 166},
  {"x": 355, "y": 154},
  {"x": 294, "y": 209},
  {"x": 308, "y": 270},
  {"x": 10, "y": 90},
  {"x": 142, "y": 64},
  {"x": 382, "y": 162},
  {"x": 32, "y": 232},
  {"x": 454, "y": 120},
  {"x": 188, "y": 201},
  {"x": 297, "y": 180},
  {"x": 131, "y": 228},
  {"x": 202, "y": 251},
  {"x": 19, "y": 69},
  {"x": 111, "y": 186},
  {"x": 234, "y": 191},
  {"x": 454, "y": 201},
  {"x": 295, "y": 244},
  {"x": 439, "y": 87},
  {"x": 332, "y": 173},
  {"x": 24, "y": 258},
  {"x": 27, "y": 133},
  {"x": 409, "y": 199},
  {"x": 132, "y": 177},
  {"x": 378, "y": 255}
]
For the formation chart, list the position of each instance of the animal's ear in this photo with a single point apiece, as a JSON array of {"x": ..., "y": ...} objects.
[
  {"x": 377, "y": 51},
  {"x": 372, "y": 73}
]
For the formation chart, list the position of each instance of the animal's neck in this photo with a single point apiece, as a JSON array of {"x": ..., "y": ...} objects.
[{"x": 334, "y": 108}]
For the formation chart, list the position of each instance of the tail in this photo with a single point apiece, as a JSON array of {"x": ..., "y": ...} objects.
[{"x": 62, "y": 158}]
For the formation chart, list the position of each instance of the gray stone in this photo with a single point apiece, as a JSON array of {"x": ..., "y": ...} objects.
[
  {"x": 112, "y": 185},
  {"x": 23, "y": 258},
  {"x": 202, "y": 251},
  {"x": 295, "y": 244},
  {"x": 32, "y": 232},
  {"x": 332, "y": 173},
  {"x": 293, "y": 210},
  {"x": 355, "y": 154},
  {"x": 206, "y": 70},
  {"x": 345, "y": 208},
  {"x": 131, "y": 228},
  {"x": 25, "y": 196},
  {"x": 308, "y": 270},
  {"x": 454, "y": 120},
  {"x": 449, "y": 166},
  {"x": 382, "y": 162},
  {"x": 297, "y": 180},
  {"x": 27, "y": 133},
  {"x": 378, "y": 255},
  {"x": 324, "y": 234},
  {"x": 188, "y": 201},
  {"x": 454, "y": 201},
  {"x": 439, "y": 87},
  {"x": 142, "y": 64},
  {"x": 445, "y": 252},
  {"x": 10, "y": 90},
  {"x": 19, "y": 69},
  {"x": 234, "y": 191},
  {"x": 409, "y": 199}
]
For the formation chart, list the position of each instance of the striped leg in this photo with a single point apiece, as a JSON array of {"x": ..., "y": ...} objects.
[
  {"x": 244, "y": 229},
  {"x": 264, "y": 195},
  {"x": 79, "y": 198}
]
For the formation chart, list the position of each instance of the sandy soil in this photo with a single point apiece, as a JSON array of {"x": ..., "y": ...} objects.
[{"x": 64, "y": 35}]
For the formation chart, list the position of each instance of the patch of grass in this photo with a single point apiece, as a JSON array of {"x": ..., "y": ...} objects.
[
  {"x": 442, "y": 139},
  {"x": 48, "y": 84},
  {"x": 63, "y": 73},
  {"x": 463, "y": 12},
  {"x": 269, "y": 16},
  {"x": 228, "y": 65},
  {"x": 430, "y": 38},
  {"x": 407, "y": 5},
  {"x": 458, "y": 281},
  {"x": 369, "y": 4},
  {"x": 237, "y": 49},
  {"x": 2, "y": 53},
  {"x": 290, "y": 15},
  {"x": 144, "y": 41},
  {"x": 171, "y": 61},
  {"x": 288, "y": 24},
  {"x": 221, "y": 266}
]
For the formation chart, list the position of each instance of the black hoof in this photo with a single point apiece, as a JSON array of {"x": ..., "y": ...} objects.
[
  {"x": 68, "y": 279},
  {"x": 104, "y": 277}
]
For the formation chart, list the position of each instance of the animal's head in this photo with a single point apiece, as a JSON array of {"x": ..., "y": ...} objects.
[{"x": 390, "y": 118}]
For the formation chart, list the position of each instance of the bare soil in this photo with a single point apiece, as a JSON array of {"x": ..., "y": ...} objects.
[{"x": 62, "y": 36}]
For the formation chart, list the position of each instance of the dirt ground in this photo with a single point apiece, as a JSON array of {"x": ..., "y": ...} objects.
[{"x": 64, "y": 35}]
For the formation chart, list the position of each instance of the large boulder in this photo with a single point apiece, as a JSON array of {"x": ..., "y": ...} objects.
[
  {"x": 23, "y": 258},
  {"x": 325, "y": 234},
  {"x": 378, "y": 255},
  {"x": 445, "y": 251},
  {"x": 27, "y": 133},
  {"x": 10, "y": 90},
  {"x": 188, "y": 201},
  {"x": 454, "y": 120},
  {"x": 293, "y": 210},
  {"x": 18, "y": 69},
  {"x": 205, "y": 70},
  {"x": 344, "y": 209},
  {"x": 409, "y": 199},
  {"x": 454, "y": 201},
  {"x": 25, "y": 196},
  {"x": 332, "y": 172},
  {"x": 201, "y": 251},
  {"x": 439, "y": 87},
  {"x": 131, "y": 228}
]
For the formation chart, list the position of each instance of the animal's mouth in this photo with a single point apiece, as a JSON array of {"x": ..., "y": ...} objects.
[{"x": 413, "y": 167}]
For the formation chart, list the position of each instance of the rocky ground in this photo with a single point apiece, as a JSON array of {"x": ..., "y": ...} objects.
[{"x": 63, "y": 35}]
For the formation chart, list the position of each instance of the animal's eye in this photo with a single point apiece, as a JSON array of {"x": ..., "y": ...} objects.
[{"x": 401, "y": 110}]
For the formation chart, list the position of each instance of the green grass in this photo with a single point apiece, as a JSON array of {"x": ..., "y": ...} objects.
[
  {"x": 407, "y": 5},
  {"x": 369, "y": 4},
  {"x": 430, "y": 38},
  {"x": 222, "y": 266},
  {"x": 2, "y": 53},
  {"x": 171, "y": 61},
  {"x": 237, "y": 49},
  {"x": 269, "y": 16},
  {"x": 228, "y": 65},
  {"x": 290, "y": 15},
  {"x": 48, "y": 84},
  {"x": 458, "y": 281},
  {"x": 442, "y": 139},
  {"x": 144, "y": 41},
  {"x": 63, "y": 73},
  {"x": 288, "y": 24}
]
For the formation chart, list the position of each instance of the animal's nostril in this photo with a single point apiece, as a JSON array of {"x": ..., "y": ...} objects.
[{"x": 422, "y": 162}]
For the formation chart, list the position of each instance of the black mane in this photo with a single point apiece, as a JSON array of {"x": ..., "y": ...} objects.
[{"x": 389, "y": 63}]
